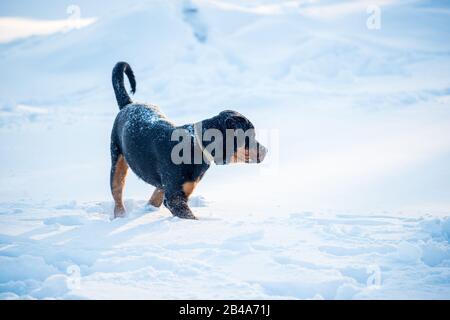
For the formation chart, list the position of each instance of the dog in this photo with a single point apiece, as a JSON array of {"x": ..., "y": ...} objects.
[{"x": 142, "y": 139}]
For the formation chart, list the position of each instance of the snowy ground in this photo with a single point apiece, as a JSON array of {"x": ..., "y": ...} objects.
[{"x": 353, "y": 203}]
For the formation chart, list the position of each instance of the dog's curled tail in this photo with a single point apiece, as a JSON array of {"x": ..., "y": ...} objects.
[{"x": 122, "y": 96}]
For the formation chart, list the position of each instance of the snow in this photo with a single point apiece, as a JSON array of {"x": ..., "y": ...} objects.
[
  {"x": 150, "y": 254},
  {"x": 352, "y": 202}
]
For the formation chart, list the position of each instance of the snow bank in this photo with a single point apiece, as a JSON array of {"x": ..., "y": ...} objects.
[{"x": 226, "y": 254}]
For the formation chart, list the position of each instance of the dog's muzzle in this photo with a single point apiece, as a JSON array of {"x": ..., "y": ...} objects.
[{"x": 262, "y": 151}]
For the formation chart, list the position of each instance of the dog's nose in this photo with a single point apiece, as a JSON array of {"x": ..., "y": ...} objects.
[{"x": 262, "y": 151}]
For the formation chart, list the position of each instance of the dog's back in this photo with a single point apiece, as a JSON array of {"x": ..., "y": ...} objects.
[{"x": 138, "y": 131}]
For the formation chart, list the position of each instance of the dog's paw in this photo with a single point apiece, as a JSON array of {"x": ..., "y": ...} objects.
[
  {"x": 186, "y": 216},
  {"x": 119, "y": 212}
]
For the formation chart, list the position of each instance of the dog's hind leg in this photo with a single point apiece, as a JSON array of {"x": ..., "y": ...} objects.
[
  {"x": 119, "y": 169},
  {"x": 157, "y": 198}
]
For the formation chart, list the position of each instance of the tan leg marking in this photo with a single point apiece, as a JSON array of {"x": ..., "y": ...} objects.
[
  {"x": 120, "y": 172},
  {"x": 157, "y": 197},
  {"x": 188, "y": 187}
]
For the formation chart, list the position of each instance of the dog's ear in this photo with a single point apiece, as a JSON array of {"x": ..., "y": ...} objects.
[
  {"x": 230, "y": 123},
  {"x": 234, "y": 120}
]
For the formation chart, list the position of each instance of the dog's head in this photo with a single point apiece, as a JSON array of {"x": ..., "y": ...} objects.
[{"x": 240, "y": 144}]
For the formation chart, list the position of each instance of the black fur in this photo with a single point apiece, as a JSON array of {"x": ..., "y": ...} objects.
[{"x": 142, "y": 135}]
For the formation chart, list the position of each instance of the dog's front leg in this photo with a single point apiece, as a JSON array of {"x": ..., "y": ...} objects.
[{"x": 177, "y": 204}]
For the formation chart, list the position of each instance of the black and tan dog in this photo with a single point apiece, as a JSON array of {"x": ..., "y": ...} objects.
[{"x": 141, "y": 139}]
